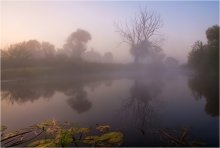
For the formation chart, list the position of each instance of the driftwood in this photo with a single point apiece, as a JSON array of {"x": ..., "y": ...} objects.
[
  {"x": 24, "y": 141},
  {"x": 177, "y": 138},
  {"x": 18, "y": 138}
]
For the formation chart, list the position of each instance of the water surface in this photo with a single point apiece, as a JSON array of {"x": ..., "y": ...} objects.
[{"x": 136, "y": 105}]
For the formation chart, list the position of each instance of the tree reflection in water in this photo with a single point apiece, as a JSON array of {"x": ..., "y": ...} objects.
[
  {"x": 18, "y": 92},
  {"x": 79, "y": 101},
  {"x": 141, "y": 103},
  {"x": 207, "y": 86}
]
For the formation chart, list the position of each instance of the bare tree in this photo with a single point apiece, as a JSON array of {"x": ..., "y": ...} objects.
[{"x": 139, "y": 31}]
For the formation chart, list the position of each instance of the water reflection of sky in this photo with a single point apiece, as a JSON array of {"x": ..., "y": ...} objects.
[{"x": 126, "y": 104}]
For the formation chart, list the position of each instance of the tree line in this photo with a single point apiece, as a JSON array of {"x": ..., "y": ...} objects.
[
  {"x": 138, "y": 35},
  {"x": 204, "y": 58},
  {"x": 204, "y": 61},
  {"x": 33, "y": 53}
]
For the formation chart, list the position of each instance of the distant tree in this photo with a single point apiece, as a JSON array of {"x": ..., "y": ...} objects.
[
  {"x": 154, "y": 54},
  {"x": 92, "y": 56},
  {"x": 4, "y": 54},
  {"x": 76, "y": 43},
  {"x": 48, "y": 49},
  {"x": 61, "y": 58},
  {"x": 139, "y": 31},
  {"x": 171, "y": 62},
  {"x": 28, "y": 53},
  {"x": 19, "y": 51},
  {"x": 197, "y": 55},
  {"x": 212, "y": 34},
  {"x": 205, "y": 57},
  {"x": 140, "y": 50},
  {"x": 108, "y": 57},
  {"x": 34, "y": 47},
  {"x": 204, "y": 60},
  {"x": 16, "y": 55}
]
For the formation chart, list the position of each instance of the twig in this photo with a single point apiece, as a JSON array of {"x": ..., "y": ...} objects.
[
  {"x": 19, "y": 142},
  {"x": 184, "y": 135},
  {"x": 15, "y": 135},
  {"x": 173, "y": 138}
]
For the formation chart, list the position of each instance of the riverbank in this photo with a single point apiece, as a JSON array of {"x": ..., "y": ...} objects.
[{"x": 75, "y": 69}]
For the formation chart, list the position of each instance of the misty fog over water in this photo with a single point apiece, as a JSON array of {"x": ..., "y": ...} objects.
[
  {"x": 129, "y": 102},
  {"x": 110, "y": 74}
]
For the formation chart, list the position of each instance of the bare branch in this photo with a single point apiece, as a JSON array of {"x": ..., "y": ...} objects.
[{"x": 142, "y": 27}]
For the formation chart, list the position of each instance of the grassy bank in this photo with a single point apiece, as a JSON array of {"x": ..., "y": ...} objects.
[
  {"x": 73, "y": 69},
  {"x": 51, "y": 133}
]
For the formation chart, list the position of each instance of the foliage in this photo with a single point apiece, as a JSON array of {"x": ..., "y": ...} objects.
[
  {"x": 204, "y": 60},
  {"x": 26, "y": 54},
  {"x": 170, "y": 61},
  {"x": 65, "y": 137},
  {"x": 43, "y": 143},
  {"x": 48, "y": 49},
  {"x": 103, "y": 128},
  {"x": 212, "y": 33},
  {"x": 205, "y": 57},
  {"x": 76, "y": 43},
  {"x": 32, "y": 53},
  {"x": 60, "y": 135},
  {"x": 107, "y": 139},
  {"x": 94, "y": 56},
  {"x": 108, "y": 57},
  {"x": 3, "y": 128}
]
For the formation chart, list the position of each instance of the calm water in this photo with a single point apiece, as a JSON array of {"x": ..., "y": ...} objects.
[{"x": 132, "y": 104}]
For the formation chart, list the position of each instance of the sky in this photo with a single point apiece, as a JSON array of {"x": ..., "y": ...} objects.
[{"x": 184, "y": 22}]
